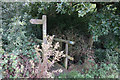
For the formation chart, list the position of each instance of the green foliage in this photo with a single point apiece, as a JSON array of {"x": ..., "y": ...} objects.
[
  {"x": 107, "y": 56},
  {"x": 16, "y": 41},
  {"x": 62, "y": 8},
  {"x": 81, "y": 8},
  {"x": 106, "y": 24},
  {"x": 72, "y": 74},
  {"x": 102, "y": 71},
  {"x": 18, "y": 33}
]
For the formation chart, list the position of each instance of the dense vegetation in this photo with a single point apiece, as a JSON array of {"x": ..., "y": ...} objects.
[{"x": 95, "y": 28}]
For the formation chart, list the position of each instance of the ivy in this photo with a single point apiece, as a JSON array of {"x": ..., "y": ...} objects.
[{"x": 105, "y": 23}]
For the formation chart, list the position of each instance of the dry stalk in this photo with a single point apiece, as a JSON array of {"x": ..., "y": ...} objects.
[{"x": 48, "y": 50}]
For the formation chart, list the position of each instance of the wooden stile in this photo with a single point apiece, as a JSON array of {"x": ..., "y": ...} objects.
[{"x": 44, "y": 22}]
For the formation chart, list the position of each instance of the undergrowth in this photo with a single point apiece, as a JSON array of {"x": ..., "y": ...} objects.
[
  {"x": 22, "y": 66},
  {"x": 102, "y": 71}
]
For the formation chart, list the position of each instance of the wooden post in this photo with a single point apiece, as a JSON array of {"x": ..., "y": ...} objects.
[
  {"x": 66, "y": 59},
  {"x": 44, "y": 29},
  {"x": 45, "y": 59}
]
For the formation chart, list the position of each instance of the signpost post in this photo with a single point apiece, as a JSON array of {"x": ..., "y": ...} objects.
[{"x": 44, "y": 56}]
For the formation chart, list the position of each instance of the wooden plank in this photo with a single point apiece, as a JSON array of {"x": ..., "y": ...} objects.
[
  {"x": 65, "y": 41},
  {"x": 66, "y": 59},
  {"x": 69, "y": 57},
  {"x": 36, "y": 21},
  {"x": 59, "y": 40}
]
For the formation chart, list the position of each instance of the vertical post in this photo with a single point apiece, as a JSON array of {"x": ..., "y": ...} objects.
[
  {"x": 44, "y": 55},
  {"x": 66, "y": 59},
  {"x": 44, "y": 29},
  {"x": 45, "y": 59}
]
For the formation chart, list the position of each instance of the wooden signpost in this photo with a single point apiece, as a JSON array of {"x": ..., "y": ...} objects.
[
  {"x": 44, "y": 21},
  {"x": 41, "y": 21}
]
